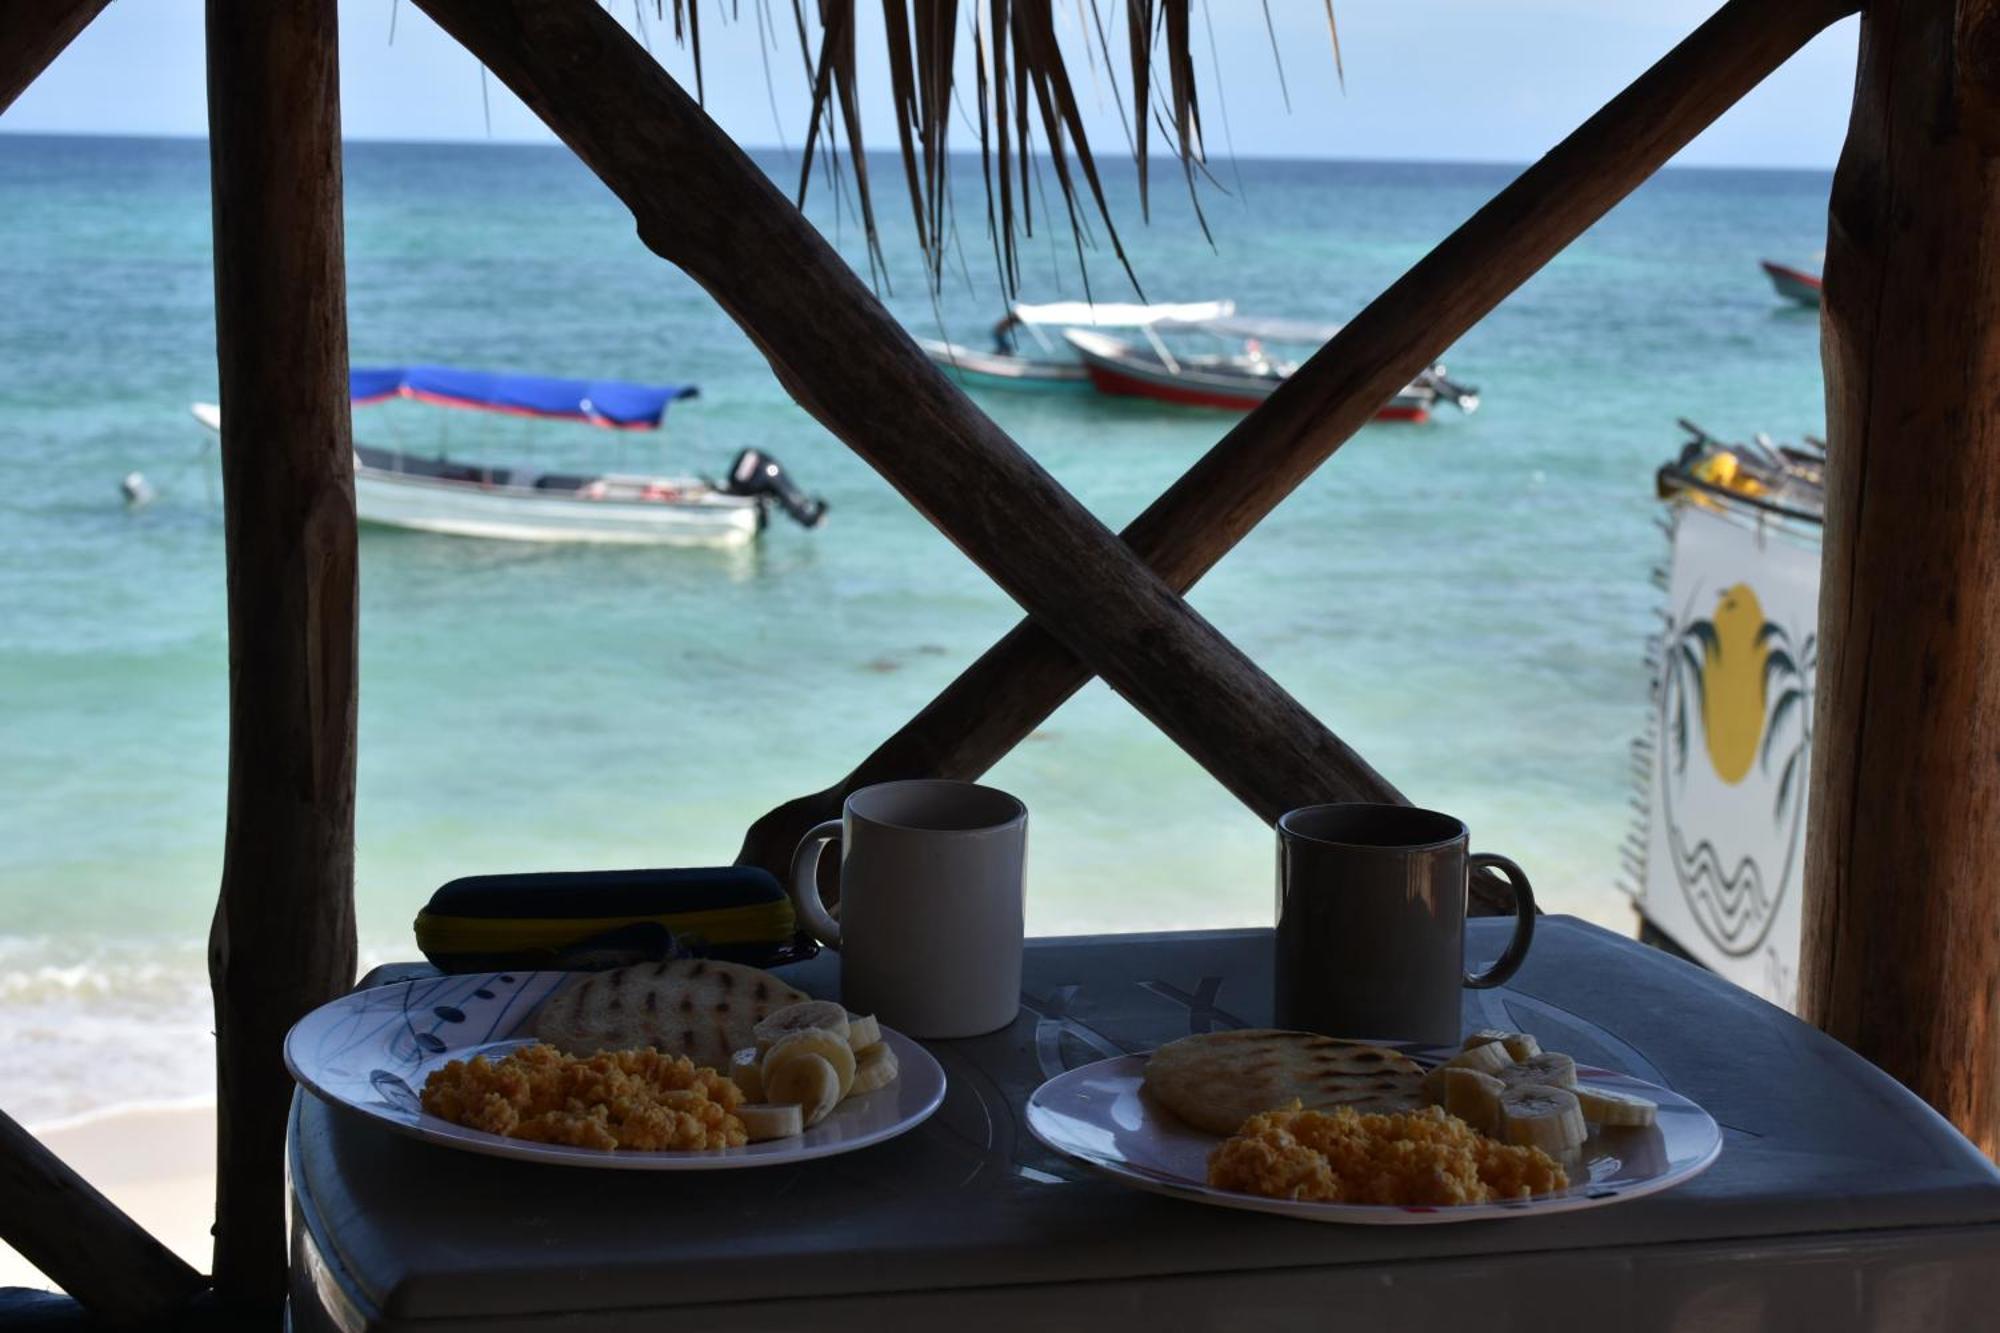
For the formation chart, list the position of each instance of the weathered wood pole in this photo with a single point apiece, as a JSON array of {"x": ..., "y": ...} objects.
[
  {"x": 1902, "y": 909},
  {"x": 283, "y": 938},
  {"x": 82, "y": 1242},
  {"x": 34, "y": 32}
]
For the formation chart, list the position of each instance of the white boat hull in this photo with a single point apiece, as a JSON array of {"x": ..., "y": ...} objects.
[
  {"x": 421, "y": 504},
  {"x": 997, "y": 370}
]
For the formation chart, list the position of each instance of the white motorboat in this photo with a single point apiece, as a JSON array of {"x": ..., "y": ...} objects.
[
  {"x": 394, "y": 488},
  {"x": 1233, "y": 367},
  {"x": 1029, "y": 353}
]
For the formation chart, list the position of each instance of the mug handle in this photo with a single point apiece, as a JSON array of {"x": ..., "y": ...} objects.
[
  {"x": 805, "y": 883},
  {"x": 1524, "y": 920}
]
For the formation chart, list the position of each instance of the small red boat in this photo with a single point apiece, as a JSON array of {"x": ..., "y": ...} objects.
[
  {"x": 1238, "y": 377},
  {"x": 1793, "y": 284}
]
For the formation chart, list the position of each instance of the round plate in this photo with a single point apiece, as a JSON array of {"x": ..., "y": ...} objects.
[
  {"x": 371, "y": 1050},
  {"x": 1100, "y": 1115}
]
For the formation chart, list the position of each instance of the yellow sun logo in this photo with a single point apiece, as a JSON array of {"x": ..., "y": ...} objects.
[
  {"x": 1729, "y": 664},
  {"x": 1732, "y": 683}
]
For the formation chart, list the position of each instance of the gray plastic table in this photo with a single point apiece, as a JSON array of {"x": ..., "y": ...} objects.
[{"x": 1840, "y": 1200}]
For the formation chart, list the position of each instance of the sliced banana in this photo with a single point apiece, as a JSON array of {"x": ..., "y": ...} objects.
[
  {"x": 1488, "y": 1058},
  {"x": 1473, "y": 1097},
  {"x": 1550, "y": 1068},
  {"x": 746, "y": 1070},
  {"x": 771, "y": 1120},
  {"x": 1607, "y": 1106},
  {"x": 1520, "y": 1045},
  {"x": 874, "y": 1068},
  {"x": 797, "y": 1018},
  {"x": 807, "y": 1042},
  {"x": 1537, "y": 1116},
  {"x": 807, "y": 1082},
  {"x": 863, "y": 1031}
]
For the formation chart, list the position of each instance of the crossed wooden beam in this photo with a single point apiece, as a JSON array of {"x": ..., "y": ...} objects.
[{"x": 1098, "y": 602}]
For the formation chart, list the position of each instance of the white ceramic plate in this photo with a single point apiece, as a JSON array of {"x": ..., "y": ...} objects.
[
  {"x": 1100, "y": 1115},
  {"x": 372, "y": 1050}
]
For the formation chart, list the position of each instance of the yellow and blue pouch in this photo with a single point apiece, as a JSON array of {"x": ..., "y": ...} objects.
[{"x": 576, "y": 920}]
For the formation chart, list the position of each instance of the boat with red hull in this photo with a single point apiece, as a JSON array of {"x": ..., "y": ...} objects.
[
  {"x": 1792, "y": 283},
  {"x": 1240, "y": 377},
  {"x": 1028, "y": 352}
]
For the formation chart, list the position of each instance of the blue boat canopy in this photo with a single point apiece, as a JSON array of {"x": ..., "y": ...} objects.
[{"x": 614, "y": 404}]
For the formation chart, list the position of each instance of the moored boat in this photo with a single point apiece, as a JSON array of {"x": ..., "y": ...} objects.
[
  {"x": 1793, "y": 284},
  {"x": 395, "y": 488},
  {"x": 1242, "y": 374},
  {"x": 1028, "y": 353}
]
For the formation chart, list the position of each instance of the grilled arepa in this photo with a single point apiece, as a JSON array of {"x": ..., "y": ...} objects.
[{"x": 1217, "y": 1080}]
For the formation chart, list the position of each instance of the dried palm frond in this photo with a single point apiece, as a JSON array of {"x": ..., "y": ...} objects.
[{"x": 1021, "y": 83}]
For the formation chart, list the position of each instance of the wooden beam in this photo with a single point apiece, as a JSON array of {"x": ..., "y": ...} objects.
[
  {"x": 283, "y": 938},
  {"x": 1902, "y": 922},
  {"x": 33, "y": 33},
  {"x": 703, "y": 205},
  {"x": 82, "y": 1242},
  {"x": 1010, "y": 690}
]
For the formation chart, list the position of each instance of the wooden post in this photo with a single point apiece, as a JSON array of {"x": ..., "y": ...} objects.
[
  {"x": 34, "y": 32},
  {"x": 703, "y": 205},
  {"x": 82, "y": 1243},
  {"x": 283, "y": 938},
  {"x": 1010, "y": 690},
  {"x": 1902, "y": 908}
]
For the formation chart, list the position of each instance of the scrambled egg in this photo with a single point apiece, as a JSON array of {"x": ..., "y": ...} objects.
[
  {"x": 640, "y": 1100},
  {"x": 1425, "y": 1158}
]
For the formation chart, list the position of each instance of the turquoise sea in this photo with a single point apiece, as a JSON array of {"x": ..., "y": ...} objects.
[{"x": 1465, "y": 602}]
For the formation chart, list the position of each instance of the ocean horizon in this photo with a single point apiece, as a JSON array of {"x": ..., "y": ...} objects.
[{"x": 1110, "y": 157}]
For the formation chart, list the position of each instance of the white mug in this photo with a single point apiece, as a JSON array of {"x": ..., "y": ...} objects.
[{"x": 930, "y": 904}]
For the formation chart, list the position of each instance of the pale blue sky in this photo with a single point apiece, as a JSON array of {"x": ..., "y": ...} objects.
[{"x": 1478, "y": 80}]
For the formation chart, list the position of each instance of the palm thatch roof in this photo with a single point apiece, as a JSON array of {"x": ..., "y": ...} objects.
[{"x": 1019, "y": 54}]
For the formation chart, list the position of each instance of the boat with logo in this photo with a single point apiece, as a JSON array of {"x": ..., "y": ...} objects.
[
  {"x": 1228, "y": 362},
  {"x": 1715, "y": 862},
  {"x": 438, "y": 493},
  {"x": 1028, "y": 350}
]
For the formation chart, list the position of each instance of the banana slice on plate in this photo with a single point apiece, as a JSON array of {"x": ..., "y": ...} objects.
[
  {"x": 746, "y": 1071},
  {"x": 1608, "y": 1106},
  {"x": 771, "y": 1120},
  {"x": 874, "y": 1068},
  {"x": 1488, "y": 1058},
  {"x": 1520, "y": 1045},
  {"x": 1473, "y": 1097},
  {"x": 1550, "y": 1068},
  {"x": 798, "y": 1017},
  {"x": 806, "y": 1082},
  {"x": 829, "y": 1047},
  {"x": 863, "y": 1031},
  {"x": 1534, "y": 1115}
]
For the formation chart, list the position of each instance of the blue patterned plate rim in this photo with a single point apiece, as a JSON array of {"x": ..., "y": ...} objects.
[
  {"x": 369, "y": 1052},
  {"x": 1099, "y": 1115}
]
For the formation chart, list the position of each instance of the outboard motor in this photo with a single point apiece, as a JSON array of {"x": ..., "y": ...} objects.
[{"x": 757, "y": 473}]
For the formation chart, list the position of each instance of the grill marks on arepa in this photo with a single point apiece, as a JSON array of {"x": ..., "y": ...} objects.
[
  {"x": 1217, "y": 1080},
  {"x": 697, "y": 1007}
]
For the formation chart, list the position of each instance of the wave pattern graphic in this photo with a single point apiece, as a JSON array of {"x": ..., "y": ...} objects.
[{"x": 1729, "y": 904}]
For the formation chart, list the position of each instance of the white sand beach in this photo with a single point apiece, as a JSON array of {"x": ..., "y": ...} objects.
[{"x": 155, "y": 1162}]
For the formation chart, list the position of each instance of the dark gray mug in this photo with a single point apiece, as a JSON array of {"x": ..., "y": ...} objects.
[{"x": 1371, "y": 922}]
